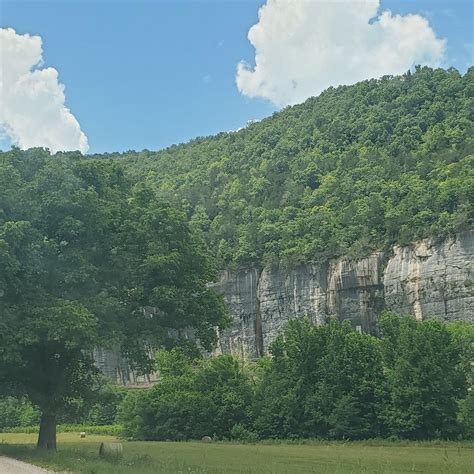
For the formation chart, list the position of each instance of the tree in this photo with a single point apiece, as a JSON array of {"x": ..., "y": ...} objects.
[
  {"x": 424, "y": 375},
  {"x": 195, "y": 398},
  {"x": 323, "y": 381},
  {"x": 85, "y": 261}
]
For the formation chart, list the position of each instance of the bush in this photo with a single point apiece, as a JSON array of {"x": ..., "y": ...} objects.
[
  {"x": 240, "y": 433},
  {"x": 193, "y": 399}
]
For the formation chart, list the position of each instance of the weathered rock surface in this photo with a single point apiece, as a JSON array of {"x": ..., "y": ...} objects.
[
  {"x": 116, "y": 368},
  {"x": 430, "y": 280},
  {"x": 427, "y": 280}
]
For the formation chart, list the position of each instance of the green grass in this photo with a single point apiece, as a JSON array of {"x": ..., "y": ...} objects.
[{"x": 81, "y": 455}]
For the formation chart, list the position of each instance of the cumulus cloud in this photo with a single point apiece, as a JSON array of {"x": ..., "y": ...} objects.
[
  {"x": 302, "y": 47},
  {"x": 32, "y": 101}
]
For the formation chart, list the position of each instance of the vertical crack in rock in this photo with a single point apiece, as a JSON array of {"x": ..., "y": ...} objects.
[
  {"x": 417, "y": 308},
  {"x": 258, "y": 319}
]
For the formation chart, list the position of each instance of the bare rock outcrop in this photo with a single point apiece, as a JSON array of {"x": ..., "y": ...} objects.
[{"x": 428, "y": 279}]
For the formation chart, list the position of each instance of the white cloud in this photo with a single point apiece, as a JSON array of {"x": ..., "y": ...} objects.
[
  {"x": 302, "y": 47},
  {"x": 32, "y": 101}
]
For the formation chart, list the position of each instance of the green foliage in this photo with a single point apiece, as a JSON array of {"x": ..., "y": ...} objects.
[
  {"x": 103, "y": 430},
  {"x": 462, "y": 333},
  {"x": 424, "y": 377},
  {"x": 105, "y": 406},
  {"x": 321, "y": 382},
  {"x": 17, "y": 412},
  {"x": 362, "y": 167},
  {"x": 242, "y": 434},
  {"x": 466, "y": 416},
  {"x": 100, "y": 410},
  {"x": 83, "y": 250},
  {"x": 204, "y": 397}
]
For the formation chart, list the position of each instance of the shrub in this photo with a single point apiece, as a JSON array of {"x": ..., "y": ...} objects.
[
  {"x": 195, "y": 399},
  {"x": 240, "y": 433}
]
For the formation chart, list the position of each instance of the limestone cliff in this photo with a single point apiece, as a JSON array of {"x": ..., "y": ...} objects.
[
  {"x": 427, "y": 280},
  {"x": 116, "y": 368}
]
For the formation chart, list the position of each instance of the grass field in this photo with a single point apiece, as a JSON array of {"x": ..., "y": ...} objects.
[{"x": 81, "y": 455}]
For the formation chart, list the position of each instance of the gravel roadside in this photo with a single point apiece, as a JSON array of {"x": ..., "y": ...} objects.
[{"x": 12, "y": 466}]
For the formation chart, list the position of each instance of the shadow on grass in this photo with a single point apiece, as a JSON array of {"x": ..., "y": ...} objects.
[{"x": 84, "y": 459}]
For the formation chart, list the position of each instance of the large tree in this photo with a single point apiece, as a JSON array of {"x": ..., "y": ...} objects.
[{"x": 88, "y": 260}]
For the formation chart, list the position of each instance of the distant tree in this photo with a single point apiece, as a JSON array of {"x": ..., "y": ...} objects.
[{"x": 17, "y": 412}]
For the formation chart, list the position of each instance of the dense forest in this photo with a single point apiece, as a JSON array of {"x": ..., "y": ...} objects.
[{"x": 362, "y": 167}]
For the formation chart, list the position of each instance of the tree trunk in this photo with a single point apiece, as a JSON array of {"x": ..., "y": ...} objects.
[{"x": 47, "y": 432}]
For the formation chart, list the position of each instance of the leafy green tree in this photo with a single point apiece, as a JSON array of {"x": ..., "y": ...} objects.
[
  {"x": 323, "y": 381},
  {"x": 194, "y": 398},
  {"x": 424, "y": 376},
  {"x": 86, "y": 259}
]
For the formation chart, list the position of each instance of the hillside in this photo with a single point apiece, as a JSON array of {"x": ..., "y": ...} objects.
[
  {"x": 362, "y": 167},
  {"x": 281, "y": 204}
]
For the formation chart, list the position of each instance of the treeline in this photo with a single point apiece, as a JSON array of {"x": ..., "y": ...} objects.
[
  {"x": 321, "y": 382},
  {"x": 99, "y": 410},
  {"x": 362, "y": 167},
  {"x": 330, "y": 382}
]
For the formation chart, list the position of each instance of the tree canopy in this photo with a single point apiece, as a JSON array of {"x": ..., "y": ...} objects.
[
  {"x": 89, "y": 259},
  {"x": 361, "y": 167},
  {"x": 325, "y": 381}
]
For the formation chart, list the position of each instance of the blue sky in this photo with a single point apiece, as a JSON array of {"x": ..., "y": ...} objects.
[{"x": 147, "y": 74}]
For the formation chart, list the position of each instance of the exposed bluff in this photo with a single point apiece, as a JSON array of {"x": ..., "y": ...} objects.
[{"x": 427, "y": 280}]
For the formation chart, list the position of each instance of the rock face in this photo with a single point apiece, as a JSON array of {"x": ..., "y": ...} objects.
[
  {"x": 432, "y": 280},
  {"x": 115, "y": 367},
  {"x": 427, "y": 280}
]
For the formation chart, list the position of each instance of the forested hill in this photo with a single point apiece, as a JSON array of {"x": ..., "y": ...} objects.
[{"x": 360, "y": 167}]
